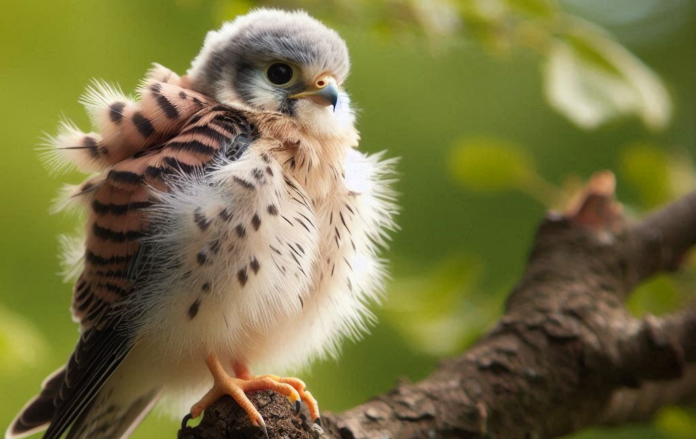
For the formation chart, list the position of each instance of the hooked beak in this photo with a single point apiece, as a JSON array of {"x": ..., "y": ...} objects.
[{"x": 323, "y": 92}]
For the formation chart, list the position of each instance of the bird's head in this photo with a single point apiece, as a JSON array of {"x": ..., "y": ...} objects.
[{"x": 273, "y": 60}]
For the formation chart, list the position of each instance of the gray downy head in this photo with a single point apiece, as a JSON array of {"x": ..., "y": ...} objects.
[{"x": 270, "y": 60}]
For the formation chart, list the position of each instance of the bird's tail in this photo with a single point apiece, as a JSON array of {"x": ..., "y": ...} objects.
[
  {"x": 114, "y": 413},
  {"x": 37, "y": 414}
]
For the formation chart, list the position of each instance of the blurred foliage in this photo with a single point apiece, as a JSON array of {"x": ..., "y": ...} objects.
[
  {"x": 676, "y": 423},
  {"x": 460, "y": 89},
  {"x": 588, "y": 77},
  {"x": 495, "y": 164},
  {"x": 488, "y": 164},
  {"x": 441, "y": 312},
  {"x": 593, "y": 80},
  {"x": 658, "y": 174},
  {"x": 21, "y": 344}
]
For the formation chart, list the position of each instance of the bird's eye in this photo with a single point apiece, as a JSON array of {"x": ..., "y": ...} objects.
[{"x": 279, "y": 74}]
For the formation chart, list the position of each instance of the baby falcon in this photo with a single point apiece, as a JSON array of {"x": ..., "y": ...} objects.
[{"x": 231, "y": 224}]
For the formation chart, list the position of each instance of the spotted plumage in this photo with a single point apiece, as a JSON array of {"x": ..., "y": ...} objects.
[{"x": 230, "y": 223}]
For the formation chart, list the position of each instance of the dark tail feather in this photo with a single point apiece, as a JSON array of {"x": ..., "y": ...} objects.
[
  {"x": 37, "y": 414},
  {"x": 112, "y": 415}
]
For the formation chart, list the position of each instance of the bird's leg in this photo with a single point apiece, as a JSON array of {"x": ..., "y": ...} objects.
[
  {"x": 223, "y": 384},
  {"x": 241, "y": 371}
]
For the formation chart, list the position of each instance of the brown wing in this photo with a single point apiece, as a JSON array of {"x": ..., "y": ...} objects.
[
  {"x": 118, "y": 207},
  {"x": 116, "y": 222}
]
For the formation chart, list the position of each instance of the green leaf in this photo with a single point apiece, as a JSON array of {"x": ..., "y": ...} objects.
[
  {"x": 682, "y": 174},
  {"x": 676, "y": 423},
  {"x": 593, "y": 80},
  {"x": 233, "y": 9},
  {"x": 489, "y": 164},
  {"x": 437, "y": 17},
  {"x": 658, "y": 173},
  {"x": 534, "y": 8},
  {"x": 647, "y": 168},
  {"x": 657, "y": 296}
]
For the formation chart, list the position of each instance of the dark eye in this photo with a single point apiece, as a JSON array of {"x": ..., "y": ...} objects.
[{"x": 279, "y": 74}]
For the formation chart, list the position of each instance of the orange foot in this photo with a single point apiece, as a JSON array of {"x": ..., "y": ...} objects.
[
  {"x": 223, "y": 384},
  {"x": 243, "y": 372}
]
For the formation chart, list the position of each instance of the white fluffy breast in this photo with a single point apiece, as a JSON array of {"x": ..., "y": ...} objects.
[
  {"x": 236, "y": 250},
  {"x": 353, "y": 223}
]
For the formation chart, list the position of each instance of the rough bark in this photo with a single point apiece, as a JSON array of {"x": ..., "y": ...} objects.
[{"x": 565, "y": 355}]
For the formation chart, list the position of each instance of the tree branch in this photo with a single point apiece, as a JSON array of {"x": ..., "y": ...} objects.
[{"x": 565, "y": 355}]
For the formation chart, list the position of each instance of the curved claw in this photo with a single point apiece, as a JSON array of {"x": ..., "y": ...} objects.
[
  {"x": 262, "y": 425},
  {"x": 304, "y": 395},
  {"x": 184, "y": 422}
]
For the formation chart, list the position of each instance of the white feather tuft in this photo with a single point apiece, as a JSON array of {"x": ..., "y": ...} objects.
[
  {"x": 74, "y": 198},
  {"x": 159, "y": 73},
  {"x": 97, "y": 98},
  {"x": 71, "y": 148},
  {"x": 72, "y": 250}
]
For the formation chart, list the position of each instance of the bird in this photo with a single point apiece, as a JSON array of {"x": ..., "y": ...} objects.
[{"x": 232, "y": 225}]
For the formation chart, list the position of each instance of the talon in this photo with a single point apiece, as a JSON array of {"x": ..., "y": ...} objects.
[
  {"x": 318, "y": 421},
  {"x": 262, "y": 425},
  {"x": 304, "y": 395},
  {"x": 184, "y": 421},
  {"x": 297, "y": 408}
]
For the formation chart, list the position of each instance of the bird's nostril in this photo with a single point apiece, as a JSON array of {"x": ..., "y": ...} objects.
[{"x": 321, "y": 83}]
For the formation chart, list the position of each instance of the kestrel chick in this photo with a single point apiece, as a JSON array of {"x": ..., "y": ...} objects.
[{"x": 231, "y": 225}]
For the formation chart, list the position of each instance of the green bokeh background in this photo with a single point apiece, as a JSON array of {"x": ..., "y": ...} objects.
[{"x": 459, "y": 250}]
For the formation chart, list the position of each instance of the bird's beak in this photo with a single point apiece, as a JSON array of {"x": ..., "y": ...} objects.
[{"x": 324, "y": 91}]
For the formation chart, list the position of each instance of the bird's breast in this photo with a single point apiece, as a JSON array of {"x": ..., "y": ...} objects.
[{"x": 237, "y": 248}]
